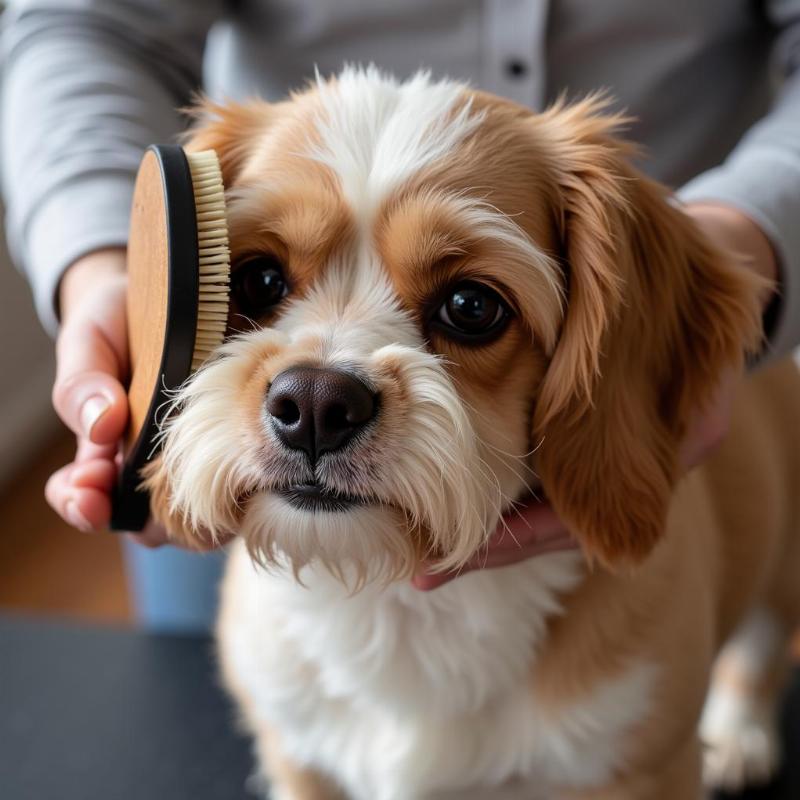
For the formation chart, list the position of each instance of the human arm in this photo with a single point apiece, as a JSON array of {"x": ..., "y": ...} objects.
[
  {"x": 87, "y": 86},
  {"x": 92, "y": 357},
  {"x": 760, "y": 179}
]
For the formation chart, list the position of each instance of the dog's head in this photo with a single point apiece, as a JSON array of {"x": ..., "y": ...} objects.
[{"x": 448, "y": 300}]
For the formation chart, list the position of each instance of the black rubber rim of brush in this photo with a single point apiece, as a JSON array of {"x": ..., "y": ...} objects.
[{"x": 130, "y": 503}]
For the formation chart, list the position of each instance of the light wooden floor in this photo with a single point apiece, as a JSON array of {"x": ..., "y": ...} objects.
[{"x": 46, "y": 566}]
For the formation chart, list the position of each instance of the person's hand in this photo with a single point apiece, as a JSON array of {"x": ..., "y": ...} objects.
[
  {"x": 91, "y": 363},
  {"x": 535, "y": 529},
  {"x": 735, "y": 233},
  {"x": 532, "y": 530}
]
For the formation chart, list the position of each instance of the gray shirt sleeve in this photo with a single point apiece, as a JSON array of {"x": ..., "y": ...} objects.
[
  {"x": 87, "y": 85},
  {"x": 761, "y": 177}
]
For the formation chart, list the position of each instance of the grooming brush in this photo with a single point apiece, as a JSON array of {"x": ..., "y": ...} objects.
[{"x": 178, "y": 297}]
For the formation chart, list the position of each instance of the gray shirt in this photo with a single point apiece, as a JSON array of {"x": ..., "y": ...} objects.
[{"x": 89, "y": 83}]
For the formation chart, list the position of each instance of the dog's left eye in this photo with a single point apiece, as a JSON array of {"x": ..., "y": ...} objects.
[
  {"x": 472, "y": 311},
  {"x": 259, "y": 284}
]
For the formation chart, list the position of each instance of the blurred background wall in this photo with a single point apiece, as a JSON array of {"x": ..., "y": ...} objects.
[
  {"x": 27, "y": 421},
  {"x": 46, "y": 567}
]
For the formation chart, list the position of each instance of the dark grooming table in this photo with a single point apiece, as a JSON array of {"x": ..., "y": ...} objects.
[{"x": 101, "y": 714}]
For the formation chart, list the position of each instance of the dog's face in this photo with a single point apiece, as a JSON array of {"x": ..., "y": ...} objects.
[{"x": 444, "y": 301}]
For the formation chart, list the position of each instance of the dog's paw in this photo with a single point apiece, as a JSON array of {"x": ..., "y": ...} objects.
[{"x": 745, "y": 753}]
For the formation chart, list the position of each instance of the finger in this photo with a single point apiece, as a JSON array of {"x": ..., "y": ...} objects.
[
  {"x": 87, "y": 394},
  {"x": 709, "y": 425},
  {"x": 57, "y": 491},
  {"x": 89, "y": 451},
  {"x": 428, "y": 581},
  {"x": 92, "y": 505},
  {"x": 500, "y": 557},
  {"x": 98, "y": 473},
  {"x": 84, "y": 507},
  {"x": 93, "y": 404},
  {"x": 151, "y": 537},
  {"x": 530, "y": 530},
  {"x": 534, "y": 521}
]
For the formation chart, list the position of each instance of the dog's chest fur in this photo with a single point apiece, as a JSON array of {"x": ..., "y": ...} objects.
[{"x": 401, "y": 694}]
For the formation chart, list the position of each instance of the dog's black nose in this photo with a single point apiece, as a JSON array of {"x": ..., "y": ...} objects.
[{"x": 318, "y": 410}]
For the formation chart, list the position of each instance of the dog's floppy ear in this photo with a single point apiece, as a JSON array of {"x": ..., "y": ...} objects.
[
  {"x": 654, "y": 316},
  {"x": 230, "y": 129}
]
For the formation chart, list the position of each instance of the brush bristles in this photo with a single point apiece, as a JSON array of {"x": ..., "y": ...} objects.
[{"x": 214, "y": 267}]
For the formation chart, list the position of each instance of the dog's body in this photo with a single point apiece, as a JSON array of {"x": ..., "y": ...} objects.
[
  {"x": 481, "y": 684},
  {"x": 404, "y": 250}
]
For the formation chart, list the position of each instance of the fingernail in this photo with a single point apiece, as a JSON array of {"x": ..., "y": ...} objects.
[
  {"x": 75, "y": 518},
  {"x": 92, "y": 410}
]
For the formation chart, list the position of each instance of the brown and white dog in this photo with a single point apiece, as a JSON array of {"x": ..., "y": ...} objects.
[{"x": 453, "y": 300}]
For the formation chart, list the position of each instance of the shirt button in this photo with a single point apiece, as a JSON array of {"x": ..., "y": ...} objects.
[{"x": 516, "y": 68}]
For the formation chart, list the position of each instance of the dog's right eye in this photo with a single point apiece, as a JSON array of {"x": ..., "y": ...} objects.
[
  {"x": 259, "y": 284},
  {"x": 472, "y": 314}
]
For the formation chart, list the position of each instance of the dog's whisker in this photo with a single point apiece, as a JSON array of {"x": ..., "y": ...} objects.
[{"x": 513, "y": 466}]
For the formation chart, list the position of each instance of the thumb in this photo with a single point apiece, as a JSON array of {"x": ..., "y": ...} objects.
[
  {"x": 93, "y": 404},
  {"x": 91, "y": 354},
  {"x": 531, "y": 523}
]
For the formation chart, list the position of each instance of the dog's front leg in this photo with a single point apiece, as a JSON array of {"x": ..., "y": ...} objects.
[{"x": 286, "y": 779}]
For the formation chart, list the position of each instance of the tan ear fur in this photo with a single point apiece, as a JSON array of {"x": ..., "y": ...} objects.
[
  {"x": 179, "y": 530},
  {"x": 230, "y": 130},
  {"x": 156, "y": 483},
  {"x": 655, "y": 314}
]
